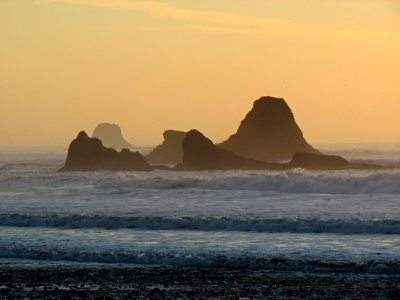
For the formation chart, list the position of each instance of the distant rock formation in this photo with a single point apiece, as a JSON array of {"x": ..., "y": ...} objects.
[
  {"x": 269, "y": 133},
  {"x": 170, "y": 151},
  {"x": 199, "y": 153},
  {"x": 111, "y": 136},
  {"x": 313, "y": 161},
  {"x": 89, "y": 154}
]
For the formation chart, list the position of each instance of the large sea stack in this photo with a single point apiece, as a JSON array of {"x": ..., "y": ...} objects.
[
  {"x": 89, "y": 154},
  {"x": 170, "y": 151},
  {"x": 199, "y": 153},
  {"x": 111, "y": 136},
  {"x": 269, "y": 133}
]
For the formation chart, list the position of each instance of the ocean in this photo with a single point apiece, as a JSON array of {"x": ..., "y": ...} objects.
[
  {"x": 304, "y": 221},
  {"x": 311, "y": 221}
]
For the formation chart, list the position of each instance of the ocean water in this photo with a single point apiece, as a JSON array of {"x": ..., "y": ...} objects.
[{"x": 307, "y": 221}]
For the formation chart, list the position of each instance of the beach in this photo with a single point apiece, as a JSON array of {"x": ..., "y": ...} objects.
[{"x": 167, "y": 282}]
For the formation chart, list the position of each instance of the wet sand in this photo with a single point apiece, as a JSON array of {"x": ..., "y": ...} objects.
[{"x": 138, "y": 282}]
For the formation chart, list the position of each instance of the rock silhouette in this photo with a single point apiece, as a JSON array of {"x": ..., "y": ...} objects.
[
  {"x": 170, "y": 151},
  {"x": 89, "y": 154},
  {"x": 269, "y": 133},
  {"x": 199, "y": 153},
  {"x": 313, "y": 161},
  {"x": 111, "y": 136}
]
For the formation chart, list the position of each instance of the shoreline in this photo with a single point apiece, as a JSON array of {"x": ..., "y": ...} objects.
[{"x": 57, "y": 280}]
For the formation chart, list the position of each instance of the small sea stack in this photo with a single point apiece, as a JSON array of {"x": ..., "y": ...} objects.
[
  {"x": 111, "y": 136},
  {"x": 89, "y": 154},
  {"x": 269, "y": 133},
  {"x": 170, "y": 151},
  {"x": 313, "y": 161}
]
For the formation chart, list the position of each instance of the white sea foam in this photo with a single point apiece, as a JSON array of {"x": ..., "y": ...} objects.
[
  {"x": 331, "y": 221},
  {"x": 273, "y": 251},
  {"x": 295, "y": 181},
  {"x": 298, "y": 181}
]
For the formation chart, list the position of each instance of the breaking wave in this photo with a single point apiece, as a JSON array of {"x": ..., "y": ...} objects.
[
  {"x": 273, "y": 263},
  {"x": 302, "y": 182},
  {"x": 291, "y": 225},
  {"x": 293, "y": 181}
]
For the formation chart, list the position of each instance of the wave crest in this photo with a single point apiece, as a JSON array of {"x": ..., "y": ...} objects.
[
  {"x": 296, "y": 181},
  {"x": 272, "y": 225},
  {"x": 274, "y": 263}
]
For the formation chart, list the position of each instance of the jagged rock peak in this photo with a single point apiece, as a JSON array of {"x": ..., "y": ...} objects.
[
  {"x": 82, "y": 135},
  {"x": 89, "y": 154},
  {"x": 268, "y": 132},
  {"x": 111, "y": 136},
  {"x": 195, "y": 138}
]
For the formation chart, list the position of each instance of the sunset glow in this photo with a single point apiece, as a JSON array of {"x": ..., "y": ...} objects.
[{"x": 67, "y": 65}]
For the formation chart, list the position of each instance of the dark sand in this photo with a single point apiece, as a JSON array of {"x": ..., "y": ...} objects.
[{"x": 139, "y": 282}]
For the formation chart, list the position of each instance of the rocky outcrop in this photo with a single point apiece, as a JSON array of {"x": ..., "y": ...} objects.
[
  {"x": 199, "y": 153},
  {"x": 269, "y": 133},
  {"x": 89, "y": 154},
  {"x": 170, "y": 151},
  {"x": 111, "y": 136},
  {"x": 312, "y": 161}
]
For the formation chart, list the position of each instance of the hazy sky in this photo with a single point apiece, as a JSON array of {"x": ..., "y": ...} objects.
[{"x": 67, "y": 65}]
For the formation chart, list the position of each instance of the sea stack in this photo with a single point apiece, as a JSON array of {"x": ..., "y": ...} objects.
[
  {"x": 199, "y": 153},
  {"x": 89, "y": 154},
  {"x": 111, "y": 136},
  {"x": 313, "y": 161},
  {"x": 268, "y": 133},
  {"x": 170, "y": 151}
]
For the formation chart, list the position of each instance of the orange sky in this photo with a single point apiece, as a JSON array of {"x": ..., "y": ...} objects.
[{"x": 67, "y": 65}]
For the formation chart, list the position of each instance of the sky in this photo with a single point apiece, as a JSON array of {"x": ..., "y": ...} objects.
[{"x": 67, "y": 65}]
